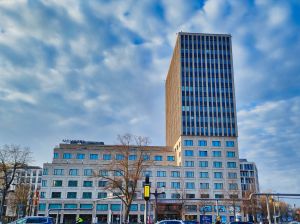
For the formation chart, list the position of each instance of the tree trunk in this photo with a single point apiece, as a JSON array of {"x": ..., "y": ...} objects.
[
  {"x": 2, "y": 214},
  {"x": 126, "y": 215}
]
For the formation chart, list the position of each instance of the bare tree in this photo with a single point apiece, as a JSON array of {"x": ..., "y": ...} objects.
[
  {"x": 250, "y": 207},
  {"x": 125, "y": 172},
  {"x": 12, "y": 158},
  {"x": 20, "y": 199}
]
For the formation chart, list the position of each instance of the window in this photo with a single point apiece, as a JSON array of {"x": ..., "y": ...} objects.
[
  {"x": 233, "y": 186},
  {"x": 216, "y": 153},
  {"x": 56, "y": 195},
  {"x": 188, "y": 143},
  {"x": 133, "y": 207},
  {"x": 86, "y": 206},
  {"x": 190, "y": 185},
  {"x": 93, "y": 156},
  {"x": 175, "y": 173},
  {"x": 118, "y": 173},
  {"x": 189, "y": 163},
  {"x": 147, "y": 173},
  {"x": 42, "y": 206},
  {"x": 230, "y": 154},
  {"x": 217, "y": 164},
  {"x": 58, "y": 172},
  {"x": 71, "y": 206},
  {"x": 161, "y": 173},
  {"x": 175, "y": 185},
  {"x": 175, "y": 195},
  {"x": 119, "y": 157},
  {"x": 231, "y": 164},
  {"x": 43, "y": 194},
  {"x": 132, "y": 157},
  {"x": 103, "y": 173},
  {"x": 161, "y": 196},
  {"x": 229, "y": 143},
  {"x": 161, "y": 184},
  {"x": 57, "y": 183},
  {"x": 102, "y": 195},
  {"x": 191, "y": 208},
  {"x": 115, "y": 207},
  {"x": 203, "y": 153},
  {"x": 218, "y": 186},
  {"x": 106, "y": 156},
  {"x": 55, "y": 155},
  {"x": 45, "y": 171},
  {"x": 67, "y": 156},
  {"x": 142, "y": 207},
  {"x": 80, "y": 156},
  {"x": 232, "y": 175},
  {"x": 146, "y": 157},
  {"x": 216, "y": 143},
  {"x": 203, "y": 163},
  {"x": 219, "y": 195},
  {"x": 72, "y": 195},
  {"x": 204, "y": 195},
  {"x": 171, "y": 158},
  {"x": 189, "y": 174},
  {"x": 72, "y": 183},
  {"x": 158, "y": 158},
  {"x": 73, "y": 172},
  {"x": 87, "y": 172},
  {"x": 54, "y": 206},
  {"x": 203, "y": 174},
  {"x": 218, "y": 175},
  {"x": 102, "y": 207},
  {"x": 204, "y": 185},
  {"x": 188, "y": 152},
  {"x": 87, "y": 183},
  {"x": 44, "y": 183},
  {"x": 202, "y": 143},
  {"x": 102, "y": 183},
  {"x": 86, "y": 195}
]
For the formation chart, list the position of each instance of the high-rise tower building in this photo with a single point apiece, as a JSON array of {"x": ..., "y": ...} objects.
[{"x": 200, "y": 99}]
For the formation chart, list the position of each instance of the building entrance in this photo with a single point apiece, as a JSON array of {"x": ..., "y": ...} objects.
[{"x": 169, "y": 211}]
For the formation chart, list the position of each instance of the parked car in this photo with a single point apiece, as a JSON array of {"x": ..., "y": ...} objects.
[
  {"x": 240, "y": 222},
  {"x": 170, "y": 222},
  {"x": 34, "y": 219}
]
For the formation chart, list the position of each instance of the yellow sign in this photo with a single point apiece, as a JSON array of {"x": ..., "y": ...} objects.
[{"x": 146, "y": 192}]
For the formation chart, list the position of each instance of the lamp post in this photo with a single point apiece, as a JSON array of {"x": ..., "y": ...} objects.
[{"x": 156, "y": 194}]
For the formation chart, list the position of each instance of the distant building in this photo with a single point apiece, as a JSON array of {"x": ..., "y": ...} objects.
[
  {"x": 32, "y": 176},
  {"x": 249, "y": 176}
]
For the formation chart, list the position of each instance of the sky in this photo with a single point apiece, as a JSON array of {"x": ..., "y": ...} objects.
[{"x": 94, "y": 69}]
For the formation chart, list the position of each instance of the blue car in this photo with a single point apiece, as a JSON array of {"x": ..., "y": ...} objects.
[{"x": 34, "y": 219}]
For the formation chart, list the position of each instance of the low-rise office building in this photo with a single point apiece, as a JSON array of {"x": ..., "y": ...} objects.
[{"x": 198, "y": 168}]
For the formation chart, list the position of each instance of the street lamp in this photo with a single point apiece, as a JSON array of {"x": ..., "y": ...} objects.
[{"x": 156, "y": 194}]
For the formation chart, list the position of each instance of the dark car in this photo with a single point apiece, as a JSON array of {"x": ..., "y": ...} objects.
[
  {"x": 170, "y": 222},
  {"x": 240, "y": 222},
  {"x": 34, "y": 219}
]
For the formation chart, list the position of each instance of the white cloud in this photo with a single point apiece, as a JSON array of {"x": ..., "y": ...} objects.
[
  {"x": 269, "y": 135},
  {"x": 10, "y": 95}
]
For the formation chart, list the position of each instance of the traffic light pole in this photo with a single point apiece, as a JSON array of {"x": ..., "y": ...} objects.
[{"x": 146, "y": 197}]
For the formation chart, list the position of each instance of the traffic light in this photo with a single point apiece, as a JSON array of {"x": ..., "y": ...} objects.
[{"x": 147, "y": 188}]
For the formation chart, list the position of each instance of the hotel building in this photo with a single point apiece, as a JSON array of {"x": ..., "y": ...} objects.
[{"x": 197, "y": 169}]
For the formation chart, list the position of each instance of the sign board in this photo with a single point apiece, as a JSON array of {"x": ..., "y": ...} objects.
[{"x": 205, "y": 219}]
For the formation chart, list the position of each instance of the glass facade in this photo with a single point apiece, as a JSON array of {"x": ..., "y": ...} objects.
[{"x": 207, "y": 88}]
